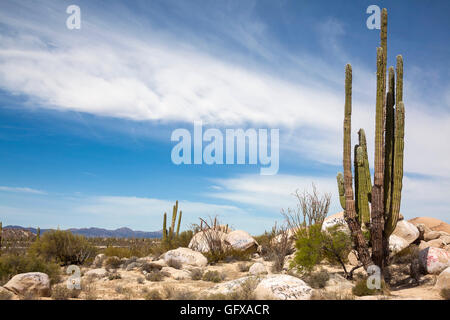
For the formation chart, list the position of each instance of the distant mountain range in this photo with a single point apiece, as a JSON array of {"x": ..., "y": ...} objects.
[{"x": 99, "y": 232}]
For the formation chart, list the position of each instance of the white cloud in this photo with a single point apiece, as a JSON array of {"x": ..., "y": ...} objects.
[
  {"x": 21, "y": 190},
  {"x": 271, "y": 193}
]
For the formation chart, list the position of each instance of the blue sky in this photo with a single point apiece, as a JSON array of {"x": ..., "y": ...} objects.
[{"x": 86, "y": 115}]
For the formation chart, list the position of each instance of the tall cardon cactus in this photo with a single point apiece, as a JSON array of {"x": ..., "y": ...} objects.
[{"x": 385, "y": 194}]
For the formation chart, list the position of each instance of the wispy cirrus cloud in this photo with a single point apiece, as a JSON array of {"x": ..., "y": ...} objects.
[{"x": 21, "y": 190}]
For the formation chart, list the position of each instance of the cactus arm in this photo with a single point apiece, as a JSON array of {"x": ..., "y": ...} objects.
[
  {"x": 356, "y": 182},
  {"x": 399, "y": 91},
  {"x": 398, "y": 167},
  {"x": 363, "y": 144},
  {"x": 363, "y": 195},
  {"x": 174, "y": 218},
  {"x": 389, "y": 143},
  {"x": 179, "y": 223},
  {"x": 340, "y": 183}
]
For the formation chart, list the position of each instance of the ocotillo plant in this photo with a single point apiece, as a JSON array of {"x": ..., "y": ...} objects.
[
  {"x": 171, "y": 234},
  {"x": 385, "y": 194}
]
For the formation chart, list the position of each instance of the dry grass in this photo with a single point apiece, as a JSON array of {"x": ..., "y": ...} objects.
[
  {"x": 61, "y": 292},
  {"x": 5, "y": 295},
  {"x": 196, "y": 274},
  {"x": 214, "y": 276},
  {"x": 243, "y": 267},
  {"x": 445, "y": 293},
  {"x": 331, "y": 295},
  {"x": 89, "y": 290},
  {"x": 173, "y": 293},
  {"x": 244, "y": 292},
  {"x": 174, "y": 264},
  {"x": 151, "y": 295}
]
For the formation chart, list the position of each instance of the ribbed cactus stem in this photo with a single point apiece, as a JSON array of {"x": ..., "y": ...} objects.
[
  {"x": 362, "y": 195},
  {"x": 340, "y": 183},
  {"x": 174, "y": 219},
  {"x": 383, "y": 36},
  {"x": 347, "y": 162},
  {"x": 377, "y": 212},
  {"x": 38, "y": 233},
  {"x": 398, "y": 167},
  {"x": 363, "y": 144},
  {"x": 389, "y": 143},
  {"x": 179, "y": 223},
  {"x": 399, "y": 91},
  {"x": 165, "y": 227},
  {"x": 356, "y": 181},
  {"x": 379, "y": 121},
  {"x": 350, "y": 211}
]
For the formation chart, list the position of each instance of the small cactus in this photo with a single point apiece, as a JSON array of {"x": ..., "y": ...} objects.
[
  {"x": 179, "y": 223},
  {"x": 164, "y": 230},
  {"x": 169, "y": 235}
]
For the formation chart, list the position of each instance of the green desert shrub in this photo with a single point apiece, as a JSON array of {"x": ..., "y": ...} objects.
[
  {"x": 11, "y": 264},
  {"x": 63, "y": 247},
  {"x": 309, "y": 249},
  {"x": 119, "y": 252},
  {"x": 337, "y": 244},
  {"x": 313, "y": 246}
]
